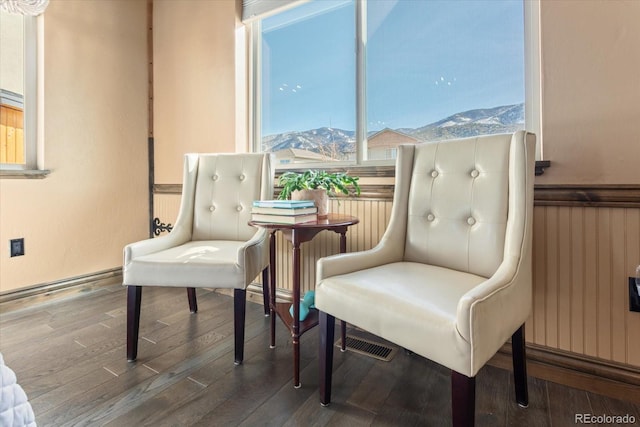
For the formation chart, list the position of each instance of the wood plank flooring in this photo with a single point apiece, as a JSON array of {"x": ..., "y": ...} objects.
[{"x": 68, "y": 353}]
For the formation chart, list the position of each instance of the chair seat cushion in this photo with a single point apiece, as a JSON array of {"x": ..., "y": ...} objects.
[
  {"x": 410, "y": 304},
  {"x": 202, "y": 263}
]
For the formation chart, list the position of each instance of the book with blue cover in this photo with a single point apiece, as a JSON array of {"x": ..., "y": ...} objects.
[
  {"x": 286, "y": 204},
  {"x": 283, "y": 211}
]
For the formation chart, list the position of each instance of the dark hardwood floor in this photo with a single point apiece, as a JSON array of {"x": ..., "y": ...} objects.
[{"x": 68, "y": 353}]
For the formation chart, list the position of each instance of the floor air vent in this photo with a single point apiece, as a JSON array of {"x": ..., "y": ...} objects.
[{"x": 369, "y": 348}]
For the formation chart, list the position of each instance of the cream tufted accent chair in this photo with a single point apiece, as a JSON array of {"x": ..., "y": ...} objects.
[
  {"x": 211, "y": 244},
  {"x": 451, "y": 278}
]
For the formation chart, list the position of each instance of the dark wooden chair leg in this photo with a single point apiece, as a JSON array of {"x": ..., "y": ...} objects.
[
  {"x": 343, "y": 336},
  {"x": 239, "y": 311},
  {"x": 265, "y": 291},
  {"x": 327, "y": 330},
  {"x": 134, "y": 297},
  {"x": 193, "y": 301},
  {"x": 520, "y": 367},
  {"x": 463, "y": 399}
]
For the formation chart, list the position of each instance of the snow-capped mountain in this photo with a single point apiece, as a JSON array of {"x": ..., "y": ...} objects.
[
  {"x": 506, "y": 115},
  {"x": 503, "y": 119},
  {"x": 328, "y": 141},
  {"x": 322, "y": 140}
]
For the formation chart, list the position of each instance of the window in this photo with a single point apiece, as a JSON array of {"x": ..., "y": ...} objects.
[
  {"x": 17, "y": 92},
  {"x": 347, "y": 81},
  {"x": 307, "y": 81}
]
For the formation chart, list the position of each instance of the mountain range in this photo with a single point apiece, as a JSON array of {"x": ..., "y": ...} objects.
[{"x": 337, "y": 143}]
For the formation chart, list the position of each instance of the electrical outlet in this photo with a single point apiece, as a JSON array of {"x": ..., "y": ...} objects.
[
  {"x": 634, "y": 298},
  {"x": 17, "y": 247}
]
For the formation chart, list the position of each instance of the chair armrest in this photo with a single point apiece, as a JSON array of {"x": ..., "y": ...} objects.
[
  {"x": 335, "y": 265},
  {"x": 253, "y": 255},
  {"x": 488, "y": 314},
  {"x": 149, "y": 246}
]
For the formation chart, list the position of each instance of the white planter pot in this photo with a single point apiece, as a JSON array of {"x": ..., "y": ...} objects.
[{"x": 319, "y": 197}]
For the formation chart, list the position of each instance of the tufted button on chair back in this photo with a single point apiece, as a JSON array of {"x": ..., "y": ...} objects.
[
  {"x": 225, "y": 188},
  {"x": 458, "y": 204}
]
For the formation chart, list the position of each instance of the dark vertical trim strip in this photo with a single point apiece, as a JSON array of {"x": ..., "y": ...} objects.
[
  {"x": 150, "y": 141},
  {"x": 151, "y": 181},
  {"x": 150, "y": 62}
]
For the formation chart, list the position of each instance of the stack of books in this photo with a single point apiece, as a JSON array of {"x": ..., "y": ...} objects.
[{"x": 284, "y": 211}]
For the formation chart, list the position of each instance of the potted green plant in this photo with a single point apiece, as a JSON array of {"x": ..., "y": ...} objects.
[{"x": 317, "y": 185}]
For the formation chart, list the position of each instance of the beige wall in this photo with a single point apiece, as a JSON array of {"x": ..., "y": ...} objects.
[
  {"x": 194, "y": 81},
  {"x": 77, "y": 220},
  {"x": 591, "y": 91}
]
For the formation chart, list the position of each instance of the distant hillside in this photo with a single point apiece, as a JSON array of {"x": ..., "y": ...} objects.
[
  {"x": 330, "y": 142},
  {"x": 337, "y": 143},
  {"x": 505, "y": 119}
]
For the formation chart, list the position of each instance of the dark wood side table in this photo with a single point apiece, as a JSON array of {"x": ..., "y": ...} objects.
[{"x": 298, "y": 234}]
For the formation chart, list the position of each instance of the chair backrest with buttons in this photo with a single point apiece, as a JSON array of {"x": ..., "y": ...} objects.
[
  {"x": 458, "y": 202},
  {"x": 224, "y": 187}
]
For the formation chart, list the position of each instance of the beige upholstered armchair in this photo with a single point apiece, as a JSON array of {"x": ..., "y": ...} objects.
[
  {"x": 211, "y": 244},
  {"x": 450, "y": 279}
]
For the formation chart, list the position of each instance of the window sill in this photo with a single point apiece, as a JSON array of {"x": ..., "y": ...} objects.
[
  {"x": 378, "y": 170},
  {"x": 355, "y": 170},
  {"x": 24, "y": 174}
]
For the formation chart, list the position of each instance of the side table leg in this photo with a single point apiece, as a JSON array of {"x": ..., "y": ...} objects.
[
  {"x": 266, "y": 285},
  {"x": 272, "y": 283},
  {"x": 295, "y": 333},
  {"x": 343, "y": 324}
]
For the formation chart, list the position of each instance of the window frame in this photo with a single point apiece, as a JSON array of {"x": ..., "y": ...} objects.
[
  {"x": 32, "y": 100},
  {"x": 533, "y": 88}
]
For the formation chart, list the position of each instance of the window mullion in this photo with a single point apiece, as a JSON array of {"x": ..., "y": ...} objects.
[
  {"x": 255, "y": 101},
  {"x": 532, "y": 70},
  {"x": 361, "y": 81}
]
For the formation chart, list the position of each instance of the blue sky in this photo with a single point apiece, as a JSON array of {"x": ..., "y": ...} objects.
[{"x": 425, "y": 60}]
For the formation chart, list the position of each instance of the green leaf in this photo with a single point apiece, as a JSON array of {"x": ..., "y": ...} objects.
[{"x": 313, "y": 179}]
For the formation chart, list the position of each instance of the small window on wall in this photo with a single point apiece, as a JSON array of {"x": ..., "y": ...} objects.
[
  {"x": 17, "y": 92},
  {"x": 348, "y": 81}
]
